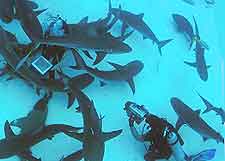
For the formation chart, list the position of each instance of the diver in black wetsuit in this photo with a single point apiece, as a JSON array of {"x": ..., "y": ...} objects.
[{"x": 157, "y": 135}]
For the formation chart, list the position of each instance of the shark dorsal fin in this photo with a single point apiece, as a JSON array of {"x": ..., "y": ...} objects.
[
  {"x": 8, "y": 131},
  {"x": 109, "y": 135},
  {"x": 141, "y": 15},
  {"x": 83, "y": 20},
  {"x": 116, "y": 66},
  {"x": 198, "y": 111}
]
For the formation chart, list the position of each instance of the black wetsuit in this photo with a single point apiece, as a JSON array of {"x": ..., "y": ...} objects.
[{"x": 159, "y": 148}]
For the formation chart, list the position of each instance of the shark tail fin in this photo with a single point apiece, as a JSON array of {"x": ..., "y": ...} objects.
[
  {"x": 80, "y": 63},
  {"x": 110, "y": 135},
  {"x": 161, "y": 44},
  {"x": 204, "y": 155}
]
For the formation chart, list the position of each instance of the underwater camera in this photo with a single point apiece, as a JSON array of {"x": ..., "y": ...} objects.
[
  {"x": 138, "y": 112},
  {"x": 42, "y": 65}
]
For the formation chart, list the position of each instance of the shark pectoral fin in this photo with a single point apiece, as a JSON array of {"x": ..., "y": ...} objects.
[
  {"x": 83, "y": 20},
  {"x": 71, "y": 99},
  {"x": 179, "y": 123},
  {"x": 19, "y": 122},
  {"x": 99, "y": 57},
  {"x": 141, "y": 15},
  {"x": 77, "y": 156},
  {"x": 131, "y": 84},
  {"x": 75, "y": 135},
  {"x": 110, "y": 135},
  {"x": 102, "y": 84},
  {"x": 123, "y": 29},
  {"x": 190, "y": 64},
  {"x": 116, "y": 66},
  {"x": 8, "y": 131},
  {"x": 198, "y": 111},
  {"x": 28, "y": 156}
]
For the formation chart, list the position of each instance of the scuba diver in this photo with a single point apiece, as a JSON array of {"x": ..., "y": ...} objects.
[
  {"x": 163, "y": 137},
  {"x": 157, "y": 135}
]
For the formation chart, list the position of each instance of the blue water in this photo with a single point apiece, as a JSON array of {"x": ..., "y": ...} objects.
[{"x": 163, "y": 77}]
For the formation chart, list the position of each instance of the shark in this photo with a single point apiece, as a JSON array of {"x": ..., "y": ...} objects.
[
  {"x": 8, "y": 10},
  {"x": 120, "y": 73},
  {"x": 184, "y": 26},
  {"x": 18, "y": 145},
  {"x": 97, "y": 28},
  {"x": 200, "y": 63},
  {"x": 107, "y": 43},
  {"x": 7, "y": 41},
  {"x": 93, "y": 138},
  {"x": 35, "y": 120},
  {"x": 136, "y": 22},
  {"x": 192, "y": 118},
  {"x": 29, "y": 18},
  {"x": 86, "y": 37},
  {"x": 209, "y": 107}
]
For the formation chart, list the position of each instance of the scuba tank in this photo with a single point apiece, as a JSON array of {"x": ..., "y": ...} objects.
[{"x": 177, "y": 151}]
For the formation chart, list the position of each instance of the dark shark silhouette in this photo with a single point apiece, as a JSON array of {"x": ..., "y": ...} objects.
[
  {"x": 97, "y": 28},
  {"x": 93, "y": 138},
  {"x": 35, "y": 120},
  {"x": 187, "y": 116},
  {"x": 121, "y": 73},
  {"x": 200, "y": 63},
  {"x": 19, "y": 144},
  {"x": 136, "y": 22},
  {"x": 28, "y": 18}
]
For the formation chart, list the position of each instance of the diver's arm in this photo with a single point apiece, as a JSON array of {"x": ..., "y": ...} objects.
[{"x": 134, "y": 131}]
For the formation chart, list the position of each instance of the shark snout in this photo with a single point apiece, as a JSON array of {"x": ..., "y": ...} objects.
[
  {"x": 124, "y": 48},
  {"x": 175, "y": 102}
]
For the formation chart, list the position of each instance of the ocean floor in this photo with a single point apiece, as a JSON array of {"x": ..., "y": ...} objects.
[{"x": 162, "y": 78}]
